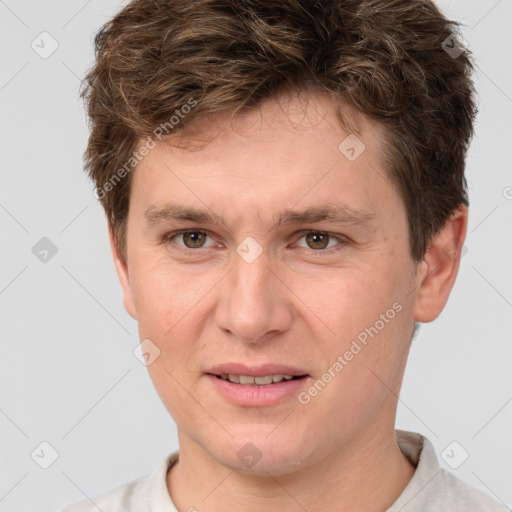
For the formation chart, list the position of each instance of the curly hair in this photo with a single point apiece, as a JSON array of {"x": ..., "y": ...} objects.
[{"x": 390, "y": 59}]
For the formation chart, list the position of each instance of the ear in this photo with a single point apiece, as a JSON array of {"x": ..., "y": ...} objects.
[
  {"x": 439, "y": 268},
  {"x": 122, "y": 274}
]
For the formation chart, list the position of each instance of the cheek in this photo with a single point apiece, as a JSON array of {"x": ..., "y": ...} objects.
[
  {"x": 161, "y": 293},
  {"x": 167, "y": 303},
  {"x": 171, "y": 311},
  {"x": 157, "y": 300},
  {"x": 366, "y": 376},
  {"x": 343, "y": 302},
  {"x": 362, "y": 328}
]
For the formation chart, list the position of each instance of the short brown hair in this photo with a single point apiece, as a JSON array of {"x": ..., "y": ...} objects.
[{"x": 390, "y": 59}]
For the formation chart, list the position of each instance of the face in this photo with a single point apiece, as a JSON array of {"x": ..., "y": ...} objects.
[{"x": 256, "y": 281}]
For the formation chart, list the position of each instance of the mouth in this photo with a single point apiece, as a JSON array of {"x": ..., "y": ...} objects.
[
  {"x": 266, "y": 387},
  {"x": 250, "y": 380}
]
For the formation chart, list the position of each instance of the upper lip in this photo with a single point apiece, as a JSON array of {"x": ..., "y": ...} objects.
[{"x": 255, "y": 371}]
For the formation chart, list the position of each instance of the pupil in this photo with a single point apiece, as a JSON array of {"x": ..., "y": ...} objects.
[
  {"x": 194, "y": 235},
  {"x": 323, "y": 236}
]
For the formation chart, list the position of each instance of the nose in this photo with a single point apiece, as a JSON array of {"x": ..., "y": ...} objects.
[{"x": 254, "y": 302}]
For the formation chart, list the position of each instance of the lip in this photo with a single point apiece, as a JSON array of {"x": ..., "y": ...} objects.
[
  {"x": 256, "y": 371},
  {"x": 254, "y": 395}
]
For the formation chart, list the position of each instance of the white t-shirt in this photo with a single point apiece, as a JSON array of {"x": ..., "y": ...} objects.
[{"x": 431, "y": 488}]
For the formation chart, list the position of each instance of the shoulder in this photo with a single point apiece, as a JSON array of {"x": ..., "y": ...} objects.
[
  {"x": 145, "y": 493},
  {"x": 433, "y": 488},
  {"x": 462, "y": 496},
  {"x": 121, "y": 499}
]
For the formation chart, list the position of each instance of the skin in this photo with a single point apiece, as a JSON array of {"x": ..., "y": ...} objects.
[{"x": 296, "y": 304}]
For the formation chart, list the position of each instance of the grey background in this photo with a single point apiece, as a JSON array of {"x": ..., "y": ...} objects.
[{"x": 68, "y": 373}]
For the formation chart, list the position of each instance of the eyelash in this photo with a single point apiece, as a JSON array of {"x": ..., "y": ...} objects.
[{"x": 341, "y": 240}]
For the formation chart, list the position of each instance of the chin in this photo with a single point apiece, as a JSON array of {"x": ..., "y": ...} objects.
[{"x": 258, "y": 455}]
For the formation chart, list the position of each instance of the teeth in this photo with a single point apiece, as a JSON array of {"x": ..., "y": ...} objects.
[
  {"x": 243, "y": 379},
  {"x": 249, "y": 380}
]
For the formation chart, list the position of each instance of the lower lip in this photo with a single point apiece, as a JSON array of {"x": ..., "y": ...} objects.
[{"x": 257, "y": 396}]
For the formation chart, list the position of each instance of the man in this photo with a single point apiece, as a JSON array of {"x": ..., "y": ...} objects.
[{"x": 284, "y": 188}]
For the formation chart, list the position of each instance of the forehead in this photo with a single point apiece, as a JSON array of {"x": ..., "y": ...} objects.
[{"x": 285, "y": 152}]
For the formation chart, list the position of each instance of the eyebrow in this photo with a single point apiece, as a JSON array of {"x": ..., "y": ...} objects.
[{"x": 338, "y": 214}]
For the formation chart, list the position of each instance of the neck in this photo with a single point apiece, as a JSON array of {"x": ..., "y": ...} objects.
[{"x": 368, "y": 473}]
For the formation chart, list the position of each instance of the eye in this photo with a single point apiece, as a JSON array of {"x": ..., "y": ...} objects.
[
  {"x": 192, "y": 238},
  {"x": 319, "y": 240}
]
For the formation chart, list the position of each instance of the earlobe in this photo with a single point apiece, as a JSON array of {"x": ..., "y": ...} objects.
[
  {"x": 123, "y": 276},
  {"x": 439, "y": 267}
]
